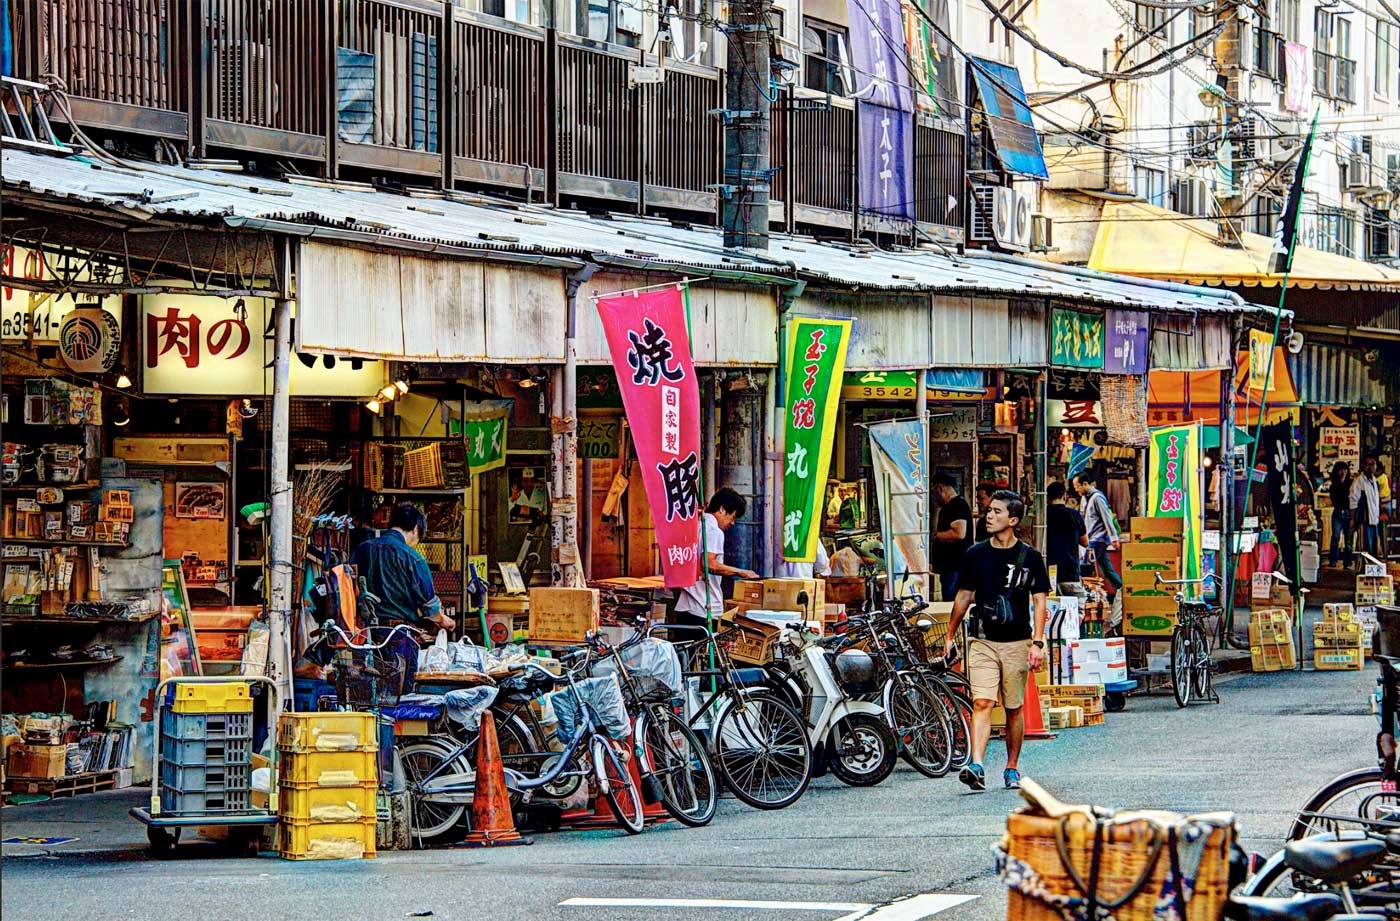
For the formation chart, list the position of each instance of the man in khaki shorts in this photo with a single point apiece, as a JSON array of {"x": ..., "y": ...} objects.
[{"x": 1001, "y": 579}]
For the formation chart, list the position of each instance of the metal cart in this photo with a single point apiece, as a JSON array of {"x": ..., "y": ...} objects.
[
  {"x": 163, "y": 831},
  {"x": 1114, "y": 693}
]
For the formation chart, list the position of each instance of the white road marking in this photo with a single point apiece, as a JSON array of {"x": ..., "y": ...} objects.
[
  {"x": 857, "y": 907},
  {"x": 911, "y": 909}
]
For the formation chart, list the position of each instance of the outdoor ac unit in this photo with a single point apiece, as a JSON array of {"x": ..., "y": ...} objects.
[
  {"x": 980, "y": 224},
  {"x": 1042, "y": 233},
  {"x": 1011, "y": 219},
  {"x": 1358, "y": 171}
]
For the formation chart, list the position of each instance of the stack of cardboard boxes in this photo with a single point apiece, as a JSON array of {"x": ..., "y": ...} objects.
[
  {"x": 562, "y": 615},
  {"x": 1337, "y": 640},
  {"x": 807, "y": 597},
  {"x": 1375, "y": 585},
  {"x": 1149, "y": 609},
  {"x": 1071, "y": 705},
  {"x": 1271, "y": 640},
  {"x": 43, "y": 753}
]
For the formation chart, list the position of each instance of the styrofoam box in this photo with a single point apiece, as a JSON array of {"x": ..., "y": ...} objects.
[{"x": 1101, "y": 672}]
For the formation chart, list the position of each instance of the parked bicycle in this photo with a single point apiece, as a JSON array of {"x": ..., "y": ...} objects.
[{"x": 1191, "y": 666}]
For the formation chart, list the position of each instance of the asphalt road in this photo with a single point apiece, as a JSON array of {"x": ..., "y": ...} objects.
[{"x": 1272, "y": 740}]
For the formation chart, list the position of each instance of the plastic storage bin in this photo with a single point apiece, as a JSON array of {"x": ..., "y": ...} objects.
[
  {"x": 300, "y": 839},
  {"x": 198, "y": 752},
  {"x": 207, "y": 802},
  {"x": 327, "y": 804},
  {"x": 209, "y": 778},
  {"x": 327, "y": 732},
  {"x": 230, "y": 697},
  {"x": 206, "y": 726},
  {"x": 327, "y": 769}
]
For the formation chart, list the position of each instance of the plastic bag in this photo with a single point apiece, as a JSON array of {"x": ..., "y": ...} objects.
[
  {"x": 436, "y": 658},
  {"x": 465, "y": 705},
  {"x": 443, "y": 657},
  {"x": 605, "y": 697},
  {"x": 506, "y": 656},
  {"x": 651, "y": 658},
  {"x": 845, "y": 563}
]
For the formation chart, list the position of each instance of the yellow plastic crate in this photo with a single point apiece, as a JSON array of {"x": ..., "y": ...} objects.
[
  {"x": 327, "y": 804},
  {"x": 327, "y": 732},
  {"x": 328, "y": 769},
  {"x": 306, "y": 840},
  {"x": 230, "y": 697}
]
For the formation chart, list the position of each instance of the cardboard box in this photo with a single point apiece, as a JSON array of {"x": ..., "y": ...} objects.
[
  {"x": 562, "y": 615},
  {"x": 1341, "y": 611},
  {"x": 757, "y": 641},
  {"x": 1333, "y": 660},
  {"x": 845, "y": 589},
  {"x": 1148, "y": 616},
  {"x": 1160, "y": 552},
  {"x": 749, "y": 591},
  {"x": 783, "y": 594},
  {"x": 37, "y": 761},
  {"x": 834, "y": 613},
  {"x": 1151, "y": 526}
]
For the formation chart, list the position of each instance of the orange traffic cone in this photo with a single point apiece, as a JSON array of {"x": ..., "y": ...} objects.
[
  {"x": 602, "y": 817},
  {"x": 1035, "y": 726},
  {"x": 493, "y": 825}
]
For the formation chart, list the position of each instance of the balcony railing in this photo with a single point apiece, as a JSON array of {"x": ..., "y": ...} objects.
[{"x": 437, "y": 95}]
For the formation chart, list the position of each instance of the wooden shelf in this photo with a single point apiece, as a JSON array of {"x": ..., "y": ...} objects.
[
  {"x": 71, "y": 663},
  {"x": 15, "y": 620},
  {"x": 31, "y": 487},
  {"x": 63, "y": 543},
  {"x": 425, "y": 491}
]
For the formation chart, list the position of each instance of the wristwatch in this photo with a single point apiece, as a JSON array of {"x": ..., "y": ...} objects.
[{"x": 1038, "y": 644}]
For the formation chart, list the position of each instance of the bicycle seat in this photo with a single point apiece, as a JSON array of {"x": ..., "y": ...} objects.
[
  {"x": 1318, "y": 907},
  {"x": 1333, "y": 861}
]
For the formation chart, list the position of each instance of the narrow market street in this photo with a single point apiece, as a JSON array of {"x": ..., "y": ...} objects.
[{"x": 1272, "y": 741}]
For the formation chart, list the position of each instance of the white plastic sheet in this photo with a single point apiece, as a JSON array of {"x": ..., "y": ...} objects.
[
  {"x": 651, "y": 658},
  {"x": 465, "y": 705},
  {"x": 605, "y": 697}
]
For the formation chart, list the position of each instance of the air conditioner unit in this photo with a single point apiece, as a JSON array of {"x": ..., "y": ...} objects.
[
  {"x": 1362, "y": 174},
  {"x": 1011, "y": 219},
  {"x": 979, "y": 228},
  {"x": 1042, "y": 233}
]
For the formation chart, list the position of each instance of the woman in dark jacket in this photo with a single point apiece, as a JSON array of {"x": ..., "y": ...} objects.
[{"x": 1339, "y": 490}]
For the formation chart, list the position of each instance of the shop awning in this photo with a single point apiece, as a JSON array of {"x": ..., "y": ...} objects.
[
  {"x": 1337, "y": 375},
  {"x": 1009, "y": 118},
  {"x": 1135, "y": 238},
  {"x": 1175, "y": 395}
]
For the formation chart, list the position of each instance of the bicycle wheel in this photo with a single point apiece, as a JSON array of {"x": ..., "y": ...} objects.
[
  {"x": 920, "y": 725},
  {"x": 623, "y": 798},
  {"x": 761, "y": 751},
  {"x": 431, "y": 822},
  {"x": 959, "y": 708},
  {"x": 681, "y": 768},
  {"x": 1201, "y": 682},
  {"x": 1356, "y": 795},
  {"x": 1182, "y": 665}
]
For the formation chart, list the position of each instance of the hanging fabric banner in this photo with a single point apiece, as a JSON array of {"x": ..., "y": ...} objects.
[
  {"x": 901, "y": 487},
  {"x": 649, "y": 341},
  {"x": 483, "y": 426},
  {"x": 816, "y": 360},
  {"x": 1276, "y": 453},
  {"x": 1175, "y": 490}
]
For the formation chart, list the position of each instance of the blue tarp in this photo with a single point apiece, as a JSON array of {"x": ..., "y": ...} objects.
[{"x": 1009, "y": 118}]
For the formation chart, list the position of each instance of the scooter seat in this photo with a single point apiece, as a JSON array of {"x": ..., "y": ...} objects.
[
  {"x": 1318, "y": 907},
  {"x": 1333, "y": 861}
]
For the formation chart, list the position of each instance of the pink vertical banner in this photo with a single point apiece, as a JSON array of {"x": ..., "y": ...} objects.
[{"x": 649, "y": 341}]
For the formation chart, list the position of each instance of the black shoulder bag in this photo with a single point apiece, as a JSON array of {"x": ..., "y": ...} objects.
[{"x": 1000, "y": 614}]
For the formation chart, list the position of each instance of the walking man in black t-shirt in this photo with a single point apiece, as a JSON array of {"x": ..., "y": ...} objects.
[
  {"x": 952, "y": 536},
  {"x": 1001, "y": 579}
]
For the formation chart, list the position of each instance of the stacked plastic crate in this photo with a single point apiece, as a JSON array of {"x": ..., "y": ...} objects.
[
  {"x": 327, "y": 785},
  {"x": 206, "y": 750}
]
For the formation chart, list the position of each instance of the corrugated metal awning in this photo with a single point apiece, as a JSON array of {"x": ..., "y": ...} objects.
[{"x": 1336, "y": 375}]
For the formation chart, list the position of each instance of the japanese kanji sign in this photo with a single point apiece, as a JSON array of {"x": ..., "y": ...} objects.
[
  {"x": 191, "y": 344},
  {"x": 1076, "y": 339},
  {"x": 1261, "y": 346},
  {"x": 816, "y": 358},
  {"x": 649, "y": 341},
  {"x": 1339, "y": 443},
  {"x": 1074, "y": 414},
  {"x": 901, "y": 485},
  {"x": 1175, "y": 488},
  {"x": 885, "y": 107},
  {"x": 483, "y": 425},
  {"x": 1125, "y": 336}
]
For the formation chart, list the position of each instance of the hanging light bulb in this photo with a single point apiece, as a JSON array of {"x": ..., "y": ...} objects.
[
  {"x": 389, "y": 392},
  {"x": 123, "y": 382},
  {"x": 402, "y": 385},
  {"x": 374, "y": 406}
]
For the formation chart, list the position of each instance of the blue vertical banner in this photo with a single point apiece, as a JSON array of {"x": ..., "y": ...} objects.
[
  {"x": 901, "y": 487},
  {"x": 884, "y": 108}
]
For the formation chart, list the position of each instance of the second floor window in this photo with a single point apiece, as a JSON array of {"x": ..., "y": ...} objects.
[
  {"x": 1150, "y": 185},
  {"x": 1151, "y": 18},
  {"x": 1287, "y": 16},
  {"x": 1336, "y": 230},
  {"x": 609, "y": 21},
  {"x": 826, "y": 58},
  {"x": 1386, "y": 41}
]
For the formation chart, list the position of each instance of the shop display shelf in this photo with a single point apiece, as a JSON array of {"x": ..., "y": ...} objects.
[
  {"x": 31, "y": 487},
  {"x": 60, "y": 542},
  {"x": 13, "y": 620},
  {"x": 71, "y": 663}
]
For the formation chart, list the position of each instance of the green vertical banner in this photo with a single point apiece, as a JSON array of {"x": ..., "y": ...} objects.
[
  {"x": 816, "y": 361},
  {"x": 1175, "y": 489}
]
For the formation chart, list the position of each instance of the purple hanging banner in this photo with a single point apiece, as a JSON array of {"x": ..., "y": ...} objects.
[
  {"x": 1125, "y": 347},
  {"x": 885, "y": 110}
]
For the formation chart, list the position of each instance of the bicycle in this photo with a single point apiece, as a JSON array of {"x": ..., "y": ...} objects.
[
  {"x": 673, "y": 764},
  {"x": 1191, "y": 666},
  {"x": 758, "y": 742},
  {"x": 949, "y": 687}
]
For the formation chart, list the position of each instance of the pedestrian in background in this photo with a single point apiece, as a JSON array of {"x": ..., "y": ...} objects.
[
  {"x": 1366, "y": 505},
  {"x": 707, "y": 597},
  {"x": 1064, "y": 536},
  {"x": 1002, "y": 594},
  {"x": 952, "y": 535},
  {"x": 984, "y": 496},
  {"x": 1339, "y": 492},
  {"x": 1100, "y": 526}
]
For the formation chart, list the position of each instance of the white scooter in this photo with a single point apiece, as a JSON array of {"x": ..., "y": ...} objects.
[{"x": 860, "y": 748}]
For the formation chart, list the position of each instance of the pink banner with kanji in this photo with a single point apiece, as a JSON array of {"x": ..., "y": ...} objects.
[{"x": 649, "y": 342}]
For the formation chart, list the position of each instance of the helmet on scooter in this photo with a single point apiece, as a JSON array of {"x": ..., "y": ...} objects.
[{"x": 855, "y": 671}]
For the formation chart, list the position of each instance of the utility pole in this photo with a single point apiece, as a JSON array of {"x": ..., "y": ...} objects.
[
  {"x": 747, "y": 125},
  {"x": 1228, "y": 47}
]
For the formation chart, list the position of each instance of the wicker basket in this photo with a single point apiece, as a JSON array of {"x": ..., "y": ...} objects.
[{"x": 1133, "y": 868}]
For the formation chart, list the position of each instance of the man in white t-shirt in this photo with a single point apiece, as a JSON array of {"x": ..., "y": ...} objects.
[
  {"x": 726, "y": 507},
  {"x": 821, "y": 566}
]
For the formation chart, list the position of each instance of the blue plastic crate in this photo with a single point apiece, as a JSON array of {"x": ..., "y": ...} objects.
[
  {"x": 201, "y": 753},
  {"x": 209, "y": 802},
  {"x": 206, "y": 726},
  {"x": 209, "y": 778}
]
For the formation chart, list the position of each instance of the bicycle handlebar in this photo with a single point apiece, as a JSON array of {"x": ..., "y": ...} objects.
[
  {"x": 1208, "y": 577},
  {"x": 366, "y": 647}
]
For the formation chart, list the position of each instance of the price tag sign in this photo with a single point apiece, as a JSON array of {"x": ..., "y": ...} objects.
[
  {"x": 1210, "y": 540},
  {"x": 1261, "y": 586}
]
